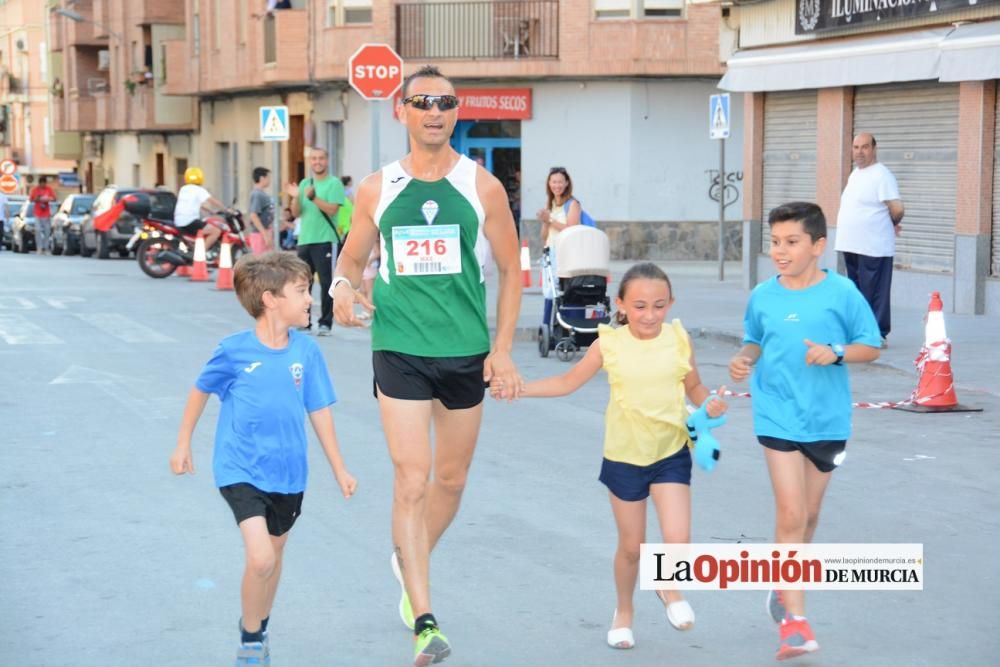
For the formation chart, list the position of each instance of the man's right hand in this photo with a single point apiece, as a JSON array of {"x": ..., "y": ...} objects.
[{"x": 344, "y": 298}]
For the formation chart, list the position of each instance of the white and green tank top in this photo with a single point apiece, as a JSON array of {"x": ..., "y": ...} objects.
[{"x": 430, "y": 296}]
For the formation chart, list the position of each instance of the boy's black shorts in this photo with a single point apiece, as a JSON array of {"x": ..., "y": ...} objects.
[
  {"x": 826, "y": 455},
  {"x": 455, "y": 381},
  {"x": 280, "y": 510}
]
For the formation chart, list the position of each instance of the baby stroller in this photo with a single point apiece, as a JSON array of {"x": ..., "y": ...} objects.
[{"x": 580, "y": 291}]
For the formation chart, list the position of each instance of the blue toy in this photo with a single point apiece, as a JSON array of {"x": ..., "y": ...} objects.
[{"x": 706, "y": 447}]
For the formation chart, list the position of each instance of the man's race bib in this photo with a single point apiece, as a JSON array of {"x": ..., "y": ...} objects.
[{"x": 427, "y": 250}]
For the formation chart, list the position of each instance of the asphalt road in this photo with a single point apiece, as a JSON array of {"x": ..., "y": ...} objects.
[{"x": 108, "y": 560}]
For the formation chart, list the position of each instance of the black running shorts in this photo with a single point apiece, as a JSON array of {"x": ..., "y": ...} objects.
[
  {"x": 455, "y": 381},
  {"x": 280, "y": 510},
  {"x": 826, "y": 455}
]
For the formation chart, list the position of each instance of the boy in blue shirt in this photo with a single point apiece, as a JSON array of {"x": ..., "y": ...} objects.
[
  {"x": 800, "y": 328},
  {"x": 268, "y": 378}
]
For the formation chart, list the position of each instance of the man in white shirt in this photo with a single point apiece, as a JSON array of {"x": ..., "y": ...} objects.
[
  {"x": 192, "y": 200},
  {"x": 867, "y": 226}
]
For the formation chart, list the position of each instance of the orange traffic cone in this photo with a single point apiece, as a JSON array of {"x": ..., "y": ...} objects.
[
  {"x": 199, "y": 270},
  {"x": 224, "y": 278},
  {"x": 935, "y": 390},
  {"x": 183, "y": 271},
  {"x": 525, "y": 264}
]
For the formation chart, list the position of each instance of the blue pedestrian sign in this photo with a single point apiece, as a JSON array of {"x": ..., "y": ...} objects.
[
  {"x": 718, "y": 116},
  {"x": 274, "y": 123}
]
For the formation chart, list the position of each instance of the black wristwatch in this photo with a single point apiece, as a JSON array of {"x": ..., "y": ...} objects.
[
  {"x": 312, "y": 196},
  {"x": 838, "y": 350}
]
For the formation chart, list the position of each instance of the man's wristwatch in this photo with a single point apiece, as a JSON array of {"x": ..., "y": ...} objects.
[
  {"x": 339, "y": 279},
  {"x": 838, "y": 350}
]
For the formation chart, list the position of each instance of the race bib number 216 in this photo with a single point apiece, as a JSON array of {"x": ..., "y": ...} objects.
[{"x": 427, "y": 250}]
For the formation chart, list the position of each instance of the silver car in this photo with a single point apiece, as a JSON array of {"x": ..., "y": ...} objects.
[{"x": 66, "y": 224}]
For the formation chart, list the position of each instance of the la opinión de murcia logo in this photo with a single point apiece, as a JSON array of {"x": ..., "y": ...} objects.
[{"x": 808, "y": 13}]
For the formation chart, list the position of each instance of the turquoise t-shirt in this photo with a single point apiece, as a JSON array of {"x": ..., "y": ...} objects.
[
  {"x": 266, "y": 393},
  {"x": 315, "y": 228},
  {"x": 791, "y": 400}
]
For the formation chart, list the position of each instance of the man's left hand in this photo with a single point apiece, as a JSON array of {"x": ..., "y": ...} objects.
[{"x": 499, "y": 370}]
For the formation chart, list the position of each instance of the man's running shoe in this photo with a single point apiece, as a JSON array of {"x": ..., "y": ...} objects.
[
  {"x": 253, "y": 654},
  {"x": 776, "y": 605},
  {"x": 431, "y": 647},
  {"x": 796, "y": 639},
  {"x": 405, "y": 610}
]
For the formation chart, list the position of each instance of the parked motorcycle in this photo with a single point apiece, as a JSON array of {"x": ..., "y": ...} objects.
[{"x": 161, "y": 247}]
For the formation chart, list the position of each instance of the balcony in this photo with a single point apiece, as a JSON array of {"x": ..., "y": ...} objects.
[
  {"x": 501, "y": 30},
  {"x": 82, "y": 114},
  {"x": 147, "y": 12},
  {"x": 285, "y": 36},
  {"x": 181, "y": 73}
]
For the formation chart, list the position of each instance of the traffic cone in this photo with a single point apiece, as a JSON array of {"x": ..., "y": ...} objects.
[
  {"x": 183, "y": 271},
  {"x": 935, "y": 390},
  {"x": 525, "y": 264},
  {"x": 224, "y": 278},
  {"x": 199, "y": 270}
]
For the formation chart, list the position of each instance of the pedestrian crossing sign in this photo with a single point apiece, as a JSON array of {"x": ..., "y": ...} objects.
[
  {"x": 718, "y": 116},
  {"x": 274, "y": 123}
]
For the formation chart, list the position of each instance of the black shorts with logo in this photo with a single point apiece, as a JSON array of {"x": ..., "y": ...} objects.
[
  {"x": 280, "y": 510},
  {"x": 455, "y": 381},
  {"x": 826, "y": 455}
]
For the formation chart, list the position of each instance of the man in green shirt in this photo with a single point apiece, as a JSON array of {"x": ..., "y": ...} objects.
[
  {"x": 433, "y": 212},
  {"x": 317, "y": 200}
]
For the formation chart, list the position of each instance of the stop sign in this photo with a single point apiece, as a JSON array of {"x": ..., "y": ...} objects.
[{"x": 375, "y": 71}]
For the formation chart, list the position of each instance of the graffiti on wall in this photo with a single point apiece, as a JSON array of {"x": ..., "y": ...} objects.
[{"x": 731, "y": 192}]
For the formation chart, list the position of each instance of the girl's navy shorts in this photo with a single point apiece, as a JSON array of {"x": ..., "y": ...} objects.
[{"x": 631, "y": 482}]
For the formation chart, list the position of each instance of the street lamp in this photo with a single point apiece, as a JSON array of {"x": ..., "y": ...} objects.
[{"x": 77, "y": 17}]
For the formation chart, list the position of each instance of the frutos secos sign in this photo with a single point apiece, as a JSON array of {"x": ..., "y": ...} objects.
[{"x": 829, "y": 15}]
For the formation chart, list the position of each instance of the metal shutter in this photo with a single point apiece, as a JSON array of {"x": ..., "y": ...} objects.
[
  {"x": 916, "y": 127},
  {"x": 789, "y": 151},
  {"x": 995, "y": 251}
]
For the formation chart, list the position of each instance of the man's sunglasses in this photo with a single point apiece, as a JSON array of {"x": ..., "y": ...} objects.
[{"x": 425, "y": 102}]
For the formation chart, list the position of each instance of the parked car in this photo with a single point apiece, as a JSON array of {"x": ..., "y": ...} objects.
[
  {"x": 22, "y": 232},
  {"x": 14, "y": 203},
  {"x": 66, "y": 223},
  {"x": 117, "y": 238}
]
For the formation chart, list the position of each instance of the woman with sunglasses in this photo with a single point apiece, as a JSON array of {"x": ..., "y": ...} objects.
[{"x": 562, "y": 210}]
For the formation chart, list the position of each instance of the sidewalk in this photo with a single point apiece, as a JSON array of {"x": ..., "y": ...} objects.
[{"x": 708, "y": 307}]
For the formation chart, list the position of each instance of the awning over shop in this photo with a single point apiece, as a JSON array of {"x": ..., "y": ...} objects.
[{"x": 969, "y": 52}]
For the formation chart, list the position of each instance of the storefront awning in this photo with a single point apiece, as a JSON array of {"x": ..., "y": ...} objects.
[{"x": 969, "y": 52}]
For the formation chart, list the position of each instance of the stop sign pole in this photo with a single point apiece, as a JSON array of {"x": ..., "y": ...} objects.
[{"x": 375, "y": 71}]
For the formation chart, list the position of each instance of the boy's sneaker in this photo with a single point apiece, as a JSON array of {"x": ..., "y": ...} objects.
[
  {"x": 776, "y": 605},
  {"x": 405, "y": 610},
  {"x": 796, "y": 639},
  {"x": 253, "y": 654},
  {"x": 431, "y": 647}
]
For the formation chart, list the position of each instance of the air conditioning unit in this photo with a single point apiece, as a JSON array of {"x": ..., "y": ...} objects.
[
  {"x": 97, "y": 86},
  {"x": 103, "y": 60},
  {"x": 21, "y": 45}
]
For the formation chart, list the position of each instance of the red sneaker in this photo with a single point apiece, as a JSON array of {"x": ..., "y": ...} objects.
[{"x": 796, "y": 639}]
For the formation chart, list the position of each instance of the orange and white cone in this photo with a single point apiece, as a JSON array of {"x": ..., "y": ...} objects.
[
  {"x": 199, "y": 270},
  {"x": 224, "y": 278},
  {"x": 935, "y": 390},
  {"x": 525, "y": 265}
]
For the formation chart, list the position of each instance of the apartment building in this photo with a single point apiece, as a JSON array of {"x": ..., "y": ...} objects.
[
  {"x": 109, "y": 57},
  {"x": 922, "y": 78},
  {"x": 25, "y": 120},
  {"x": 616, "y": 91}
]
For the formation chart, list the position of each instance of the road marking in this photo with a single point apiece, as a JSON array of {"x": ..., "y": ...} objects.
[
  {"x": 115, "y": 386},
  {"x": 16, "y": 330},
  {"x": 61, "y": 301},
  {"x": 124, "y": 328},
  {"x": 16, "y": 303}
]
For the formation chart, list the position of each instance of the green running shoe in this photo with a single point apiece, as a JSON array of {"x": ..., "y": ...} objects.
[
  {"x": 431, "y": 647},
  {"x": 405, "y": 610}
]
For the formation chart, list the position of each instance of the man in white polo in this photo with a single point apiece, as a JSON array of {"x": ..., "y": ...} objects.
[{"x": 867, "y": 226}]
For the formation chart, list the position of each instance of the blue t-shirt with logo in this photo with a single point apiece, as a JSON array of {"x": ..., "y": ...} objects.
[
  {"x": 791, "y": 400},
  {"x": 265, "y": 394}
]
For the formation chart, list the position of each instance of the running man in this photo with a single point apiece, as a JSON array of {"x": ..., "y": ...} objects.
[{"x": 433, "y": 213}]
